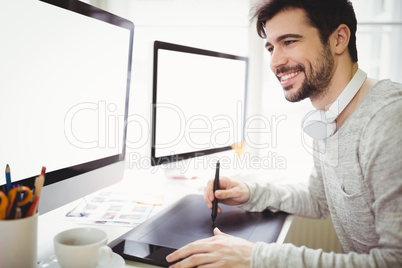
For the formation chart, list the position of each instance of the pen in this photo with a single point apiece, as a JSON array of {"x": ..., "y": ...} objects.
[
  {"x": 216, "y": 187},
  {"x": 8, "y": 179}
]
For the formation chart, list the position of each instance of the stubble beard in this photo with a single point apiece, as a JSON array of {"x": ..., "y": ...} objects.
[{"x": 317, "y": 84}]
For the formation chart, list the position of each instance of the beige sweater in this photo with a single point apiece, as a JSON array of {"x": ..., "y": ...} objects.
[{"x": 357, "y": 179}]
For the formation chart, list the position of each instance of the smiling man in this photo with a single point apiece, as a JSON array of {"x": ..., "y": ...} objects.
[
  {"x": 357, "y": 180},
  {"x": 301, "y": 63}
]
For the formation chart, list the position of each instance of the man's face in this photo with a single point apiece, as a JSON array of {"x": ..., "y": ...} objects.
[{"x": 302, "y": 64}]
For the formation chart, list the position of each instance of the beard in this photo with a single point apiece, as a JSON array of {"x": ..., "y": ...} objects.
[{"x": 317, "y": 82}]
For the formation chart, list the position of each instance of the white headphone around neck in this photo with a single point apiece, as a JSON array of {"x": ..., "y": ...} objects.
[{"x": 321, "y": 124}]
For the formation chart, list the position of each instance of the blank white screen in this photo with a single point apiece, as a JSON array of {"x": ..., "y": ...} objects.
[{"x": 200, "y": 102}]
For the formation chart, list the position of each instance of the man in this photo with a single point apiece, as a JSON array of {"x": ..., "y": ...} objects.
[{"x": 358, "y": 178}]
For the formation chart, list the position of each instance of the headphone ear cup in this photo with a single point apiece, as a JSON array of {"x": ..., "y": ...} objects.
[{"x": 316, "y": 125}]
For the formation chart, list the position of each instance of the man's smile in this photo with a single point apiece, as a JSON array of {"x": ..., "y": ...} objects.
[{"x": 287, "y": 78}]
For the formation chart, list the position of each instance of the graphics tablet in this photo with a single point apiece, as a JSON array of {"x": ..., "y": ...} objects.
[{"x": 189, "y": 220}]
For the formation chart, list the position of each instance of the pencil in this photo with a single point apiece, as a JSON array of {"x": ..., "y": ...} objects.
[
  {"x": 8, "y": 179},
  {"x": 39, "y": 182},
  {"x": 33, "y": 208}
]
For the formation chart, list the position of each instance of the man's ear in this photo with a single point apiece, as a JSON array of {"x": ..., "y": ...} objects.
[{"x": 341, "y": 37}]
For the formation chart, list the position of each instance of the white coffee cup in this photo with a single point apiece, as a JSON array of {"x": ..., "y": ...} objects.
[{"x": 82, "y": 248}]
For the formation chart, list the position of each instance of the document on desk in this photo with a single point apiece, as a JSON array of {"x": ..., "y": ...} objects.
[
  {"x": 114, "y": 208},
  {"x": 188, "y": 220}
]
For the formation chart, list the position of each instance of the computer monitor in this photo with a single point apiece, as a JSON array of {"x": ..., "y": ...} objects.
[
  {"x": 64, "y": 80},
  {"x": 199, "y": 99}
]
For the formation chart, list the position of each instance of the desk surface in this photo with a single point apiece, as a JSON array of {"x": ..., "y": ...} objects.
[{"x": 134, "y": 182}]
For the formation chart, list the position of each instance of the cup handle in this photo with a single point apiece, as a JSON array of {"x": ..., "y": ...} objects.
[{"x": 105, "y": 255}]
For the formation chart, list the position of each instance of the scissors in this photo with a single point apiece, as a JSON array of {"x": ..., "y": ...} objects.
[
  {"x": 14, "y": 196},
  {"x": 3, "y": 205}
]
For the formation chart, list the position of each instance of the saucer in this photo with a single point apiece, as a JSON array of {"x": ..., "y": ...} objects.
[{"x": 116, "y": 262}]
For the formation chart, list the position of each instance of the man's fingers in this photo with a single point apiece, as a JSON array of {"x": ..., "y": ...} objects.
[
  {"x": 219, "y": 210},
  {"x": 225, "y": 194},
  {"x": 208, "y": 194},
  {"x": 217, "y": 231},
  {"x": 197, "y": 247}
]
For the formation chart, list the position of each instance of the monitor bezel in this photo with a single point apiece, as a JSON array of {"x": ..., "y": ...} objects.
[{"x": 160, "y": 45}]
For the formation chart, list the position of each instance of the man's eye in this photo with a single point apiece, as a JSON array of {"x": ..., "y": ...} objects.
[
  {"x": 270, "y": 49},
  {"x": 289, "y": 42}
]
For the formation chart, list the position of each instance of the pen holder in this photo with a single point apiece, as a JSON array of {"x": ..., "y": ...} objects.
[{"x": 18, "y": 242}]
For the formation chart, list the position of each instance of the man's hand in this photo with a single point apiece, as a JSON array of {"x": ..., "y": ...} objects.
[
  {"x": 221, "y": 250},
  {"x": 230, "y": 193}
]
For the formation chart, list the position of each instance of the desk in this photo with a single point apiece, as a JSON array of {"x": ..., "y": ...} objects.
[{"x": 136, "y": 182}]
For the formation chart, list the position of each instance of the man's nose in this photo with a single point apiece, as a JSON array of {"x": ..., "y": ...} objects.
[{"x": 278, "y": 59}]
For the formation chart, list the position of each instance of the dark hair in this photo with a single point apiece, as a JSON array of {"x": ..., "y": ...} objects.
[{"x": 325, "y": 15}]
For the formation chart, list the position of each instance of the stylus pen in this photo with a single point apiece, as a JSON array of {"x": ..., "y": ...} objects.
[{"x": 216, "y": 187}]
